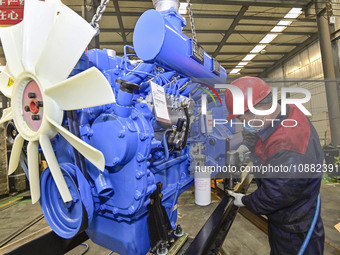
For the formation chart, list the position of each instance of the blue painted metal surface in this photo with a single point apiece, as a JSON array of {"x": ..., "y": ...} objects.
[
  {"x": 158, "y": 38},
  {"x": 66, "y": 219},
  {"x": 112, "y": 205}
]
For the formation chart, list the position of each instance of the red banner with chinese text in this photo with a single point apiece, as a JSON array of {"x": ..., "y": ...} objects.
[{"x": 11, "y": 12}]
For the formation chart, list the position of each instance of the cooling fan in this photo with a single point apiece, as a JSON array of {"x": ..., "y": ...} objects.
[{"x": 41, "y": 52}]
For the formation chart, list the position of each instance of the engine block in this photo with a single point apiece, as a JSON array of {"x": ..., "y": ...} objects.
[{"x": 115, "y": 130}]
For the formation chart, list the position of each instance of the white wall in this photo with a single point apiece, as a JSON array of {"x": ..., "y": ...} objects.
[
  {"x": 304, "y": 70},
  {"x": 305, "y": 65}
]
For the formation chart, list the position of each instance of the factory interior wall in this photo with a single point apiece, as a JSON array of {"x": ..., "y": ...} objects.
[
  {"x": 17, "y": 181},
  {"x": 304, "y": 70},
  {"x": 335, "y": 13},
  {"x": 4, "y": 187}
]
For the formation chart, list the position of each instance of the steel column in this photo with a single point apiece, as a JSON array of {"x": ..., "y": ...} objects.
[{"x": 329, "y": 72}]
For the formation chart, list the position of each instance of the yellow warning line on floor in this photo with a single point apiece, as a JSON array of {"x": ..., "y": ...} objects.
[{"x": 12, "y": 201}]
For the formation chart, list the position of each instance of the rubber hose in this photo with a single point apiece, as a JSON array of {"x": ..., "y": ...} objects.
[{"x": 311, "y": 228}]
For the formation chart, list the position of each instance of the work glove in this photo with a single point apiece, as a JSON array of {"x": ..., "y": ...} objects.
[
  {"x": 238, "y": 198},
  {"x": 249, "y": 140},
  {"x": 243, "y": 153}
]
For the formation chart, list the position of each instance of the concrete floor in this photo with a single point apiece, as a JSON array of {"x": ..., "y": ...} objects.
[{"x": 243, "y": 237}]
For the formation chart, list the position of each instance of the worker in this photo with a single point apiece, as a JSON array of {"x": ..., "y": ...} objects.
[{"x": 288, "y": 200}]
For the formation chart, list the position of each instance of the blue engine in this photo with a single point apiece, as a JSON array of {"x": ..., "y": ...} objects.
[{"x": 145, "y": 140}]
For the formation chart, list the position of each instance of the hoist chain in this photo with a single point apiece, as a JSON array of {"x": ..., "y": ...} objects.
[
  {"x": 191, "y": 16},
  {"x": 99, "y": 13}
]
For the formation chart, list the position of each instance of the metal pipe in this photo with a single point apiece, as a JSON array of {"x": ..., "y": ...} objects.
[
  {"x": 329, "y": 72},
  {"x": 163, "y": 5}
]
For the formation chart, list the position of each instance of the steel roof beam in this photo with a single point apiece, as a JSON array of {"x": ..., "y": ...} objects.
[
  {"x": 293, "y": 25},
  {"x": 217, "y": 16},
  {"x": 120, "y": 20},
  {"x": 266, "y": 32},
  {"x": 212, "y": 44},
  {"x": 256, "y": 62},
  {"x": 253, "y": 61},
  {"x": 246, "y": 67},
  {"x": 243, "y": 53},
  {"x": 230, "y": 29},
  {"x": 248, "y": 44},
  {"x": 212, "y": 31},
  {"x": 265, "y": 3},
  {"x": 291, "y": 54},
  {"x": 307, "y": 9}
]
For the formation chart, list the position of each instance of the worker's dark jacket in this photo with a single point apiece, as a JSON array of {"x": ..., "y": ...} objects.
[{"x": 288, "y": 202}]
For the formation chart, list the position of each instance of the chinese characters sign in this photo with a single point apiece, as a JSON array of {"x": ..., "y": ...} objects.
[{"x": 11, "y": 12}]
